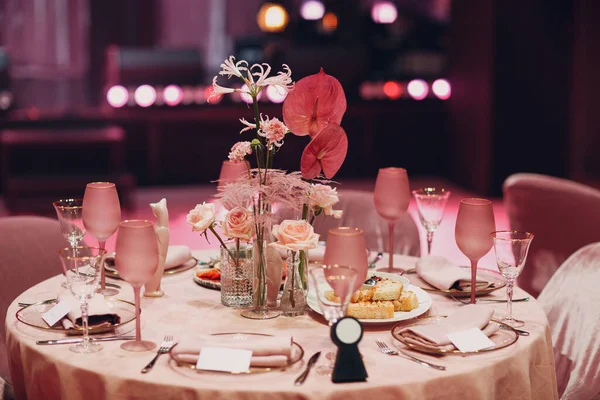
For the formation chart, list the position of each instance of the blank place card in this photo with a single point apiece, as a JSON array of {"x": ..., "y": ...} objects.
[
  {"x": 472, "y": 339},
  {"x": 56, "y": 313},
  {"x": 223, "y": 359}
]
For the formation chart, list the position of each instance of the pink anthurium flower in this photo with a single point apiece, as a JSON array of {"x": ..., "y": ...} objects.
[
  {"x": 326, "y": 152},
  {"x": 315, "y": 101}
]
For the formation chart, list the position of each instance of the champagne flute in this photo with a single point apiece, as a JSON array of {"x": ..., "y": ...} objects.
[
  {"x": 346, "y": 246},
  {"x": 81, "y": 268},
  {"x": 69, "y": 213},
  {"x": 340, "y": 280},
  {"x": 391, "y": 199},
  {"x": 136, "y": 259},
  {"x": 511, "y": 249},
  {"x": 474, "y": 223},
  {"x": 101, "y": 216},
  {"x": 431, "y": 203}
]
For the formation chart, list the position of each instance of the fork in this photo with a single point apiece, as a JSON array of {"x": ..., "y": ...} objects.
[
  {"x": 165, "y": 346},
  {"x": 389, "y": 351},
  {"x": 466, "y": 302}
]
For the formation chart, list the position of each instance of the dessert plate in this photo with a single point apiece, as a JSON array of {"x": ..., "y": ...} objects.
[
  {"x": 495, "y": 279},
  {"x": 422, "y": 296}
]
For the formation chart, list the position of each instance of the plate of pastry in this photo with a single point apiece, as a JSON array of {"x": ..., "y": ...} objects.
[
  {"x": 391, "y": 299},
  {"x": 208, "y": 278}
]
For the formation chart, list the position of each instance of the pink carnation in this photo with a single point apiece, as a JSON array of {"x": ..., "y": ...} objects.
[
  {"x": 239, "y": 151},
  {"x": 273, "y": 130}
]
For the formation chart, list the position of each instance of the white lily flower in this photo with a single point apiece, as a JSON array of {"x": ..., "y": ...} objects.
[
  {"x": 249, "y": 125},
  {"x": 229, "y": 67},
  {"x": 219, "y": 90},
  {"x": 262, "y": 74},
  {"x": 282, "y": 81}
]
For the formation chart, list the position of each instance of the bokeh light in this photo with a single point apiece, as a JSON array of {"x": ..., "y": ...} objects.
[
  {"x": 145, "y": 96},
  {"x": 275, "y": 95},
  {"x": 312, "y": 10},
  {"x": 417, "y": 89},
  {"x": 272, "y": 18},
  {"x": 173, "y": 95},
  {"x": 330, "y": 22},
  {"x": 392, "y": 90},
  {"x": 384, "y": 12},
  {"x": 117, "y": 96},
  {"x": 442, "y": 89}
]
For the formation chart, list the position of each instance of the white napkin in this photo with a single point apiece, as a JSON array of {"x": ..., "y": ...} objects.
[
  {"x": 435, "y": 336},
  {"x": 267, "y": 351},
  {"x": 99, "y": 313},
  {"x": 177, "y": 255},
  {"x": 444, "y": 275}
]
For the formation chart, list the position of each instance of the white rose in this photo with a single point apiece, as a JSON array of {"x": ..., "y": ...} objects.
[
  {"x": 201, "y": 217},
  {"x": 325, "y": 197},
  {"x": 295, "y": 235}
]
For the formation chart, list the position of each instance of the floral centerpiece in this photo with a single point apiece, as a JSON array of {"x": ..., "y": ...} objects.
[{"x": 314, "y": 106}]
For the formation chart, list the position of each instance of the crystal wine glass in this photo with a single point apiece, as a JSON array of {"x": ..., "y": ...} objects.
[
  {"x": 136, "y": 259},
  {"x": 391, "y": 199},
  {"x": 431, "y": 203},
  {"x": 346, "y": 246},
  {"x": 511, "y": 249},
  {"x": 474, "y": 223},
  {"x": 69, "y": 213},
  {"x": 341, "y": 281},
  {"x": 82, "y": 271},
  {"x": 101, "y": 216}
]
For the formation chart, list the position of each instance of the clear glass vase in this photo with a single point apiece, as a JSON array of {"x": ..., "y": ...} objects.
[
  {"x": 293, "y": 300},
  {"x": 237, "y": 271},
  {"x": 303, "y": 270}
]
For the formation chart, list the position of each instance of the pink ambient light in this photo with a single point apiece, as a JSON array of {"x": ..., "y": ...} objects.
[
  {"x": 276, "y": 96},
  {"x": 442, "y": 89},
  {"x": 145, "y": 96},
  {"x": 417, "y": 89},
  {"x": 117, "y": 96},
  {"x": 312, "y": 10},
  {"x": 173, "y": 95},
  {"x": 384, "y": 12}
]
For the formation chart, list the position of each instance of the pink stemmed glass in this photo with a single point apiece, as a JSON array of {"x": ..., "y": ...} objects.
[
  {"x": 101, "y": 216},
  {"x": 474, "y": 224},
  {"x": 346, "y": 246},
  {"x": 391, "y": 198},
  {"x": 231, "y": 171},
  {"x": 136, "y": 259}
]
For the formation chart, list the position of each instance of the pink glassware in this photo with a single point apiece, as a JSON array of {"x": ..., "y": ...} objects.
[
  {"x": 101, "y": 216},
  {"x": 136, "y": 259},
  {"x": 232, "y": 170},
  {"x": 391, "y": 199},
  {"x": 346, "y": 246},
  {"x": 474, "y": 224}
]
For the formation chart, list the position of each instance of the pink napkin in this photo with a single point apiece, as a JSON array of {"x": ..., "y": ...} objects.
[
  {"x": 435, "y": 336},
  {"x": 267, "y": 351},
  {"x": 444, "y": 275},
  {"x": 177, "y": 255},
  {"x": 99, "y": 313}
]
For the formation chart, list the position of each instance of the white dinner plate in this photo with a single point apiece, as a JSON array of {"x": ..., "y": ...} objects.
[{"x": 422, "y": 296}]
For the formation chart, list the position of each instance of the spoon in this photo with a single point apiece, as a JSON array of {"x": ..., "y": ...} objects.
[{"x": 378, "y": 257}]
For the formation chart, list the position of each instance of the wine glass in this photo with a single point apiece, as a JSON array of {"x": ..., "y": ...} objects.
[
  {"x": 340, "y": 280},
  {"x": 101, "y": 216},
  {"x": 231, "y": 171},
  {"x": 136, "y": 259},
  {"x": 69, "y": 213},
  {"x": 346, "y": 246},
  {"x": 474, "y": 223},
  {"x": 81, "y": 268},
  {"x": 431, "y": 203},
  {"x": 511, "y": 249},
  {"x": 391, "y": 199}
]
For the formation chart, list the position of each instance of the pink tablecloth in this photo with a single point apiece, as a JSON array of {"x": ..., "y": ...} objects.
[{"x": 524, "y": 370}]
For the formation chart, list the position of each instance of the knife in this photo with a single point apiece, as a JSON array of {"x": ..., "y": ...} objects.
[
  {"x": 79, "y": 340},
  {"x": 300, "y": 380}
]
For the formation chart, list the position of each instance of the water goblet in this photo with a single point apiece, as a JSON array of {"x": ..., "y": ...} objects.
[
  {"x": 81, "y": 267},
  {"x": 340, "y": 280},
  {"x": 346, "y": 246},
  {"x": 101, "y": 216},
  {"x": 70, "y": 217},
  {"x": 391, "y": 199},
  {"x": 511, "y": 249},
  {"x": 136, "y": 259},
  {"x": 431, "y": 203},
  {"x": 474, "y": 223}
]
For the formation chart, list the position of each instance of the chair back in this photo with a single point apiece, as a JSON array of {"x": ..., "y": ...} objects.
[
  {"x": 571, "y": 301},
  {"x": 28, "y": 255},
  {"x": 564, "y": 216}
]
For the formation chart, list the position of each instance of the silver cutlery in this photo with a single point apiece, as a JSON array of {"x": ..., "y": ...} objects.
[
  {"x": 79, "y": 340},
  {"x": 519, "y": 331},
  {"x": 165, "y": 346},
  {"x": 311, "y": 361},
  {"x": 378, "y": 257},
  {"x": 389, "y": 351},
  {"x": 465, "y": 302}
]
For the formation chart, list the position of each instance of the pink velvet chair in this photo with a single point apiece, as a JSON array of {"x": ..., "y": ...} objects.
[
  {"x": 28, "y": 255},
  {"x": 571, "y": 301},
  {"x": 563, "y": 215}
]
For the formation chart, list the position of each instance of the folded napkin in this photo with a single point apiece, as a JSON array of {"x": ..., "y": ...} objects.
[
  {"x": 177, "y": 255},
  {"x": 435, "y": 336},
  {"x": 444, "y": 275},
  {"x": 99, "y": 313},
  {"x": 314, "y": 255},
  {"x": 267, "y": 351}
]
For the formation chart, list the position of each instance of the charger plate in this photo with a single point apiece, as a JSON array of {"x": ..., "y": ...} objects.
[
  {"x": 32, "y": 316},
  {"x": 297, "y": 354},
  {"x": 495, "y": 279},
  {"x": 111, "y": 271},
  {"x": 504, "y": 337}
]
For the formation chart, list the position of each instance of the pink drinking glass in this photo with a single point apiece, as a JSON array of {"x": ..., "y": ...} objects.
[
  {"x": 346, "y": 246},
  {"x": 474, "y": 224},
  {"x": 101, "y": 216},
  {"x": 391, "y": 198},
  {"x": 231, "y": 171},
  {"x": 136, "y": 259}
]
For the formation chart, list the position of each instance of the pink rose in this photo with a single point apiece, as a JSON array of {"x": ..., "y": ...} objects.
[
  {"x": 295, "y": 235},
  {"x": 201, "y": 217},
  {"x": 325, "y": 197},
  {"x": 238, "y": 224}
]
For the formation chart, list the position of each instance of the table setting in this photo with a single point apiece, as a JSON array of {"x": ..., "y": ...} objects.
[{"x": 271, "y": 310}]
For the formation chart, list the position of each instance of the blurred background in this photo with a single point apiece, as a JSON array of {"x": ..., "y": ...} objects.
[{"x": 467, "y": 91}]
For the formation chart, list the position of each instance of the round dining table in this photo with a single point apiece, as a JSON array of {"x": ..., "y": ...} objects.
[{"x": 523, "y": 370}]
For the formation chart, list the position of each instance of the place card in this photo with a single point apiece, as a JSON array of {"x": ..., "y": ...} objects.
[
  {"x": 472, "y": 339},
  {"x": 56, "y": 313},
  {"x": 224, "y": 359}
]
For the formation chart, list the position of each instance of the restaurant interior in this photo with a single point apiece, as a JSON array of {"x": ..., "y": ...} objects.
[{"x": 480, "y": 100}]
